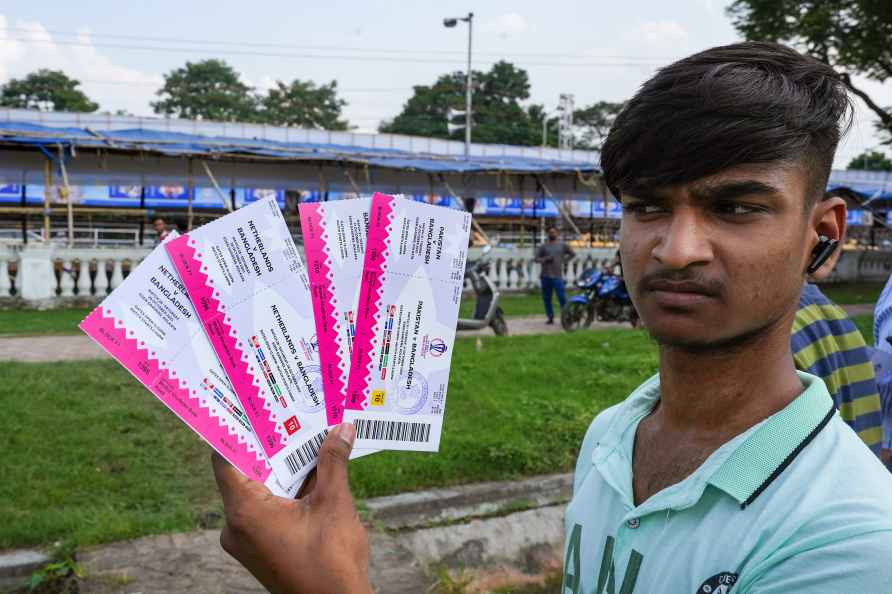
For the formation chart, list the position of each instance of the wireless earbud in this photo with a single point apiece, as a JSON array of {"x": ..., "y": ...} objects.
[{"x": 821, "y": 253}]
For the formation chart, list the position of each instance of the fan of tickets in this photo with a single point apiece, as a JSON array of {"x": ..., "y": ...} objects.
[{"x": 260, "y": 350}]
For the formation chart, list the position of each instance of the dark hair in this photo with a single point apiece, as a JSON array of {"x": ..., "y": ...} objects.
[{"x": 752, "y": 102}]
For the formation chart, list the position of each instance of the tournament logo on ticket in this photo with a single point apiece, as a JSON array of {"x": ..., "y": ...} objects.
[{"x": 412, "y": 280}]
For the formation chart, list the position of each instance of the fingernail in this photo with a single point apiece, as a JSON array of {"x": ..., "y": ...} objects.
[{"x": 346, "y": 432}]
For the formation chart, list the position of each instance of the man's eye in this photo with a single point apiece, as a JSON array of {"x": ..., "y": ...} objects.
[
  {"x": 735, "y": 209},
  {"x": 643, "y": 208}
]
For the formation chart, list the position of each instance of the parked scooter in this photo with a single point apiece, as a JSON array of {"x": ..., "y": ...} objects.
[
  {"x": 580, "y": 310},
  {"x": 486, "y": 307}
]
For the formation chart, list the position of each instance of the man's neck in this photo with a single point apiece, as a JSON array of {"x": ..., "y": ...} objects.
[{"x": 723, "y": 393}]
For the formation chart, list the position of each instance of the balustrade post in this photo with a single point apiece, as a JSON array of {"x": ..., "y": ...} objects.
[
  {"x": 117, "y": 273},
  {"x": 101, "y": 282},
  {"x": 66, "y": 279},
  {"x": 5, "y": 284},
  {"x": 83, "y": 279}
]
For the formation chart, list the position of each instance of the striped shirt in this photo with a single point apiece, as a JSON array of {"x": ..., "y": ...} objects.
[{"x": 827, "y": 344}]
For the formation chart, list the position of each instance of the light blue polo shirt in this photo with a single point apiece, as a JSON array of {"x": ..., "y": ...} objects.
[{"x": 796, "y": 504}]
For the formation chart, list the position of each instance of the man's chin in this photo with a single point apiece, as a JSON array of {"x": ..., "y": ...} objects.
[{"x": 698, "y": 340}]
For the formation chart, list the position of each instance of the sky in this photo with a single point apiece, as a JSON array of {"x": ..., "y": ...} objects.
[{"x": 375, "y": 50}]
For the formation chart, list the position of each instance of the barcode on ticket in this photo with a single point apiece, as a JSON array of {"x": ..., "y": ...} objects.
[
  {"x": 393, "y": 430},
  {"x": 306, "y": 453}
]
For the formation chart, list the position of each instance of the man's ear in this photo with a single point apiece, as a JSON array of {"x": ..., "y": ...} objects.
[{"x": 828, "y": 220}]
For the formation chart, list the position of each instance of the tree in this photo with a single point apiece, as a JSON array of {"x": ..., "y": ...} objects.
[
  {"x": 850, "y": 35},
  {"x": 206, "y": 90},
  {"x": 304, "y": 104},
  {"x": 593, "y": 123},
  {"x": 498, "y": 116},
  {"x": 871, "y": 161},
  {"x": 50, "y": 90}
]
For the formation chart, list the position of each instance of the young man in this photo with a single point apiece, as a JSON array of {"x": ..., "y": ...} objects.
[
  {"x": 728, "y": 471},
  {"x": 551, "y": 255}
]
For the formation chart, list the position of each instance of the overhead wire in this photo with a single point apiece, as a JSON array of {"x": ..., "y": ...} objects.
[{"x": 230, "y": 43}]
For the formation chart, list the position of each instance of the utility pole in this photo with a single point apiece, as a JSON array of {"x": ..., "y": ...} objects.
[{"x": 469, "y": 81}]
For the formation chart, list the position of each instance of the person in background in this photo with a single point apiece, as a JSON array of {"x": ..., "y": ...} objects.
[
  {"x": 826, "y": 343},
  {"x": 882, "y": 334},
  {"x": 552, "y": 255},
  {"x": 161, "y": 230}
]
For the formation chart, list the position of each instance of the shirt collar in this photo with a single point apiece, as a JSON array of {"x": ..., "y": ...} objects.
[
  {"x": 754, "y": 458},
  {"x": 764, "y": 455}
]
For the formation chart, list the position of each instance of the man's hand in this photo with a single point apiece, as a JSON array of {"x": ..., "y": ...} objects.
[
  {"x": 885, "y": 455},
  {"x": 312, "y": 545}
]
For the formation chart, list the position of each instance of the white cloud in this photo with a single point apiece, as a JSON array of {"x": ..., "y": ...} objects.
[
  {"x": 660, "y": 34},
  {"x": 510, "y": 23},
  {"x": 28, "y": 46}
]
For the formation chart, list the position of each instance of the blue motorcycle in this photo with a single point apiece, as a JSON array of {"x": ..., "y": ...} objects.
[
  {"x": 604, "y": 297},
  {"x": 580, "y": 310},
  {"x": 614, "y": 302}
]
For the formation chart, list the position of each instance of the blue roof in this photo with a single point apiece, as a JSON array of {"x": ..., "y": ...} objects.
[
  {"x": 180, "y": 144},
  {"x": 872, "y": 185}
]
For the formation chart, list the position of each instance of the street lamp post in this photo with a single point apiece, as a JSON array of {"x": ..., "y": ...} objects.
[{"x": 451, "y": 23}]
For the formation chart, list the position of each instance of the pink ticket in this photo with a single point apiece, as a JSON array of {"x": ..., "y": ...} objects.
[
  {"x": 251, "y": 292},
  {"x": 334, "y": 242},
  {"x": 149, "y": 325},
  {"x": 412, "y": 280}
]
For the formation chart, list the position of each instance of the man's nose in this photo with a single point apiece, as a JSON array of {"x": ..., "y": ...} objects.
[{"x": 684, "y": 242}]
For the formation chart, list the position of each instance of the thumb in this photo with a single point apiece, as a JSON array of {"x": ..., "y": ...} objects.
[{"x": 332, "y": 484}]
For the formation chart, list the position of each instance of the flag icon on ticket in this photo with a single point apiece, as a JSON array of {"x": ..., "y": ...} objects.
[{"x": 411, "y": 286}]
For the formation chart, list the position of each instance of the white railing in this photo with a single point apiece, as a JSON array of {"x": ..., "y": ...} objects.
[
  {"x": 40, "y": 275},
  {"x": 515, "y": 268}
]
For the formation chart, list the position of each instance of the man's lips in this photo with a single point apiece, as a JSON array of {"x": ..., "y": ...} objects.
[{"x": 679, "y": 293}]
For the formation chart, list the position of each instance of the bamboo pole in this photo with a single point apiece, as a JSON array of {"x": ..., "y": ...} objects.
[
  {"x": 47, "y": 188},
  {"x": 191, "y": 188},
  {"x": 67, "y": 188}
]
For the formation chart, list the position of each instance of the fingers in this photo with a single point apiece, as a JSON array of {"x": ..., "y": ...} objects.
[
  {"x": 233, "y": 484},
  {"x": 332, "y": 482},
  {"x": 308, "y": 486}
]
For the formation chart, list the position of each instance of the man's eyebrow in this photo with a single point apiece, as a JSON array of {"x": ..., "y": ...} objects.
[{"x": 731, "y": 190}]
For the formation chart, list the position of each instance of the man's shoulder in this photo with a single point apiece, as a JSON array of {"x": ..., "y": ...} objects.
[{"x": 841, "y": 481}]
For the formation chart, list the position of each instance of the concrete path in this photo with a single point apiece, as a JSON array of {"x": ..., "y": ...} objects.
[
  {"x": 49, "y": 348},
  {"x": 470, "y": 528},
  {"x": 78, "y": 346},
  {"x": 195, "y": 563}
]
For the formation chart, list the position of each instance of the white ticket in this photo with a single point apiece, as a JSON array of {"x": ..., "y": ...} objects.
[
  {"x": 412, "y": 281},
  {"x": 251, "y": 292},
  {"x": 334, "y": 236},
  {"x": 149, "y": 325}
]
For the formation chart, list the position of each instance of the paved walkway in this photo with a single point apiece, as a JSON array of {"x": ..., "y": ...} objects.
[
  {"x": 49, "y": 348},
  {"x": 78, "y": 347},
  {"x": 195, "y": 563}
]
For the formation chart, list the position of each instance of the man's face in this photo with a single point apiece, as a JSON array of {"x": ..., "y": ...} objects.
[
  {"x": 159, "y": 225},
  {"x": 552, "y": 233},
  {"x": 711, "y": 262}
]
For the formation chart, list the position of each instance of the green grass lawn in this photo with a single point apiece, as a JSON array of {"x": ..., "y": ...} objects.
[
  {"x": 852, "y": 293},
  {"x": 90, "y": 456},
  {"x": 31, "y": 321},
  {"x": 513, "y": 304},
  {"x": 865, "y": 325}
]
